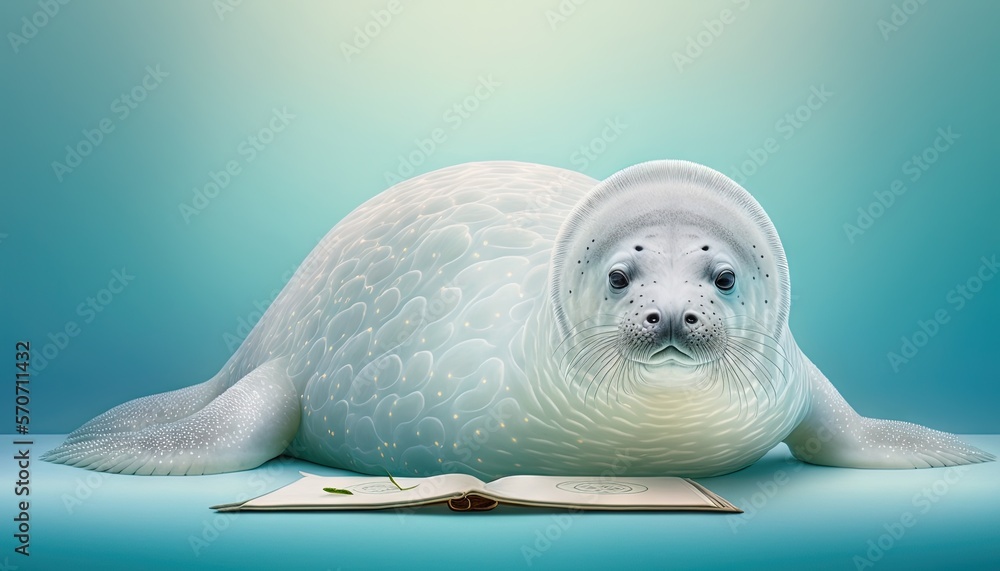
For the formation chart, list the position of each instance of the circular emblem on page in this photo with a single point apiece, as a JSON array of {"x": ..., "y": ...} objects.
[
  {"x": 374, "y": 488},
  {"x": 601, "y": 487}
]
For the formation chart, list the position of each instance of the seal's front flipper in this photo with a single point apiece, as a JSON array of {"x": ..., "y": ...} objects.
[
  {"x": 833, "y": 434},
  {"x": 248, "y": 424}
]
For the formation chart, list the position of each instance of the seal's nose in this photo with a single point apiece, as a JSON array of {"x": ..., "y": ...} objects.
[
  {"x": 655, "y": 316},
  {"x": 670, "y": 325}
]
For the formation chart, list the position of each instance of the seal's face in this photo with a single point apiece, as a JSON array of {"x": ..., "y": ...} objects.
[
  {"x": 674, "y": 288},
  {"x": 669, "y": 283}
]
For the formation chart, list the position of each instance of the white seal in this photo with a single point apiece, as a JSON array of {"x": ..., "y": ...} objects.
[{"x": 507, "y": 318}]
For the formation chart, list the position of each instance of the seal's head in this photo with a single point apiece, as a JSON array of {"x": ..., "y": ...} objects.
[{"x": 669, "y": 274}]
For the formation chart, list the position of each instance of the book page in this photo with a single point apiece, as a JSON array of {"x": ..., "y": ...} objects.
[
  {"x": 366, "y": 491},
  {"x": 601, "y": 492}
]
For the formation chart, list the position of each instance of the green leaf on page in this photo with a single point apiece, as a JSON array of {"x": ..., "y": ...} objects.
[{"x": 393, "y": 480}]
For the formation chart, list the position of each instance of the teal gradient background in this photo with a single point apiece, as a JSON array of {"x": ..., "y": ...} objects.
[
  {"x": 560, "y": 81},
  {"x": 562, "y": 78}
]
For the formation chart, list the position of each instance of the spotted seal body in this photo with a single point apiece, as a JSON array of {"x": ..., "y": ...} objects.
[{"x": 507, "y": 318}]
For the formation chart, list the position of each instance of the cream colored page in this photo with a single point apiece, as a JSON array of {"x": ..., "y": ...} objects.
[
  {"x": 366, "y": 491},
  {"x": 597, "y": 491}
]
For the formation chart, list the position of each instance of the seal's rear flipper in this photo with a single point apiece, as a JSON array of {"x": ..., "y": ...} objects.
[
  {"x": 833, "y": 434},
  {"x": 245, "y": 426},
  {"x": 140, "y": 413}
]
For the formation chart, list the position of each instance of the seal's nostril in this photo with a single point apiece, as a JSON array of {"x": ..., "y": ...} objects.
[
  {"x": 690, "y": 319},
  {"x": 653, "y": 317}
]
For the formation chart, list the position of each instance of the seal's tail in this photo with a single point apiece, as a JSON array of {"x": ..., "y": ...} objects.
[{"x": 204, "y": 429}]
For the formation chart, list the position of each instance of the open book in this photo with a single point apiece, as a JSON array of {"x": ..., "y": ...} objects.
[{"x": 468, "y": 493}]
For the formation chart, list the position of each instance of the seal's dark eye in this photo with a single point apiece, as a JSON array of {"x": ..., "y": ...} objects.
[
  {"x": 725, "y": 280},
  {"x": 618, "y": 279}
]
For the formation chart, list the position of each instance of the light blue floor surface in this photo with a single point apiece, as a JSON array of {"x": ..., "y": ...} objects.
[{"x": 797, "y": 516}]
